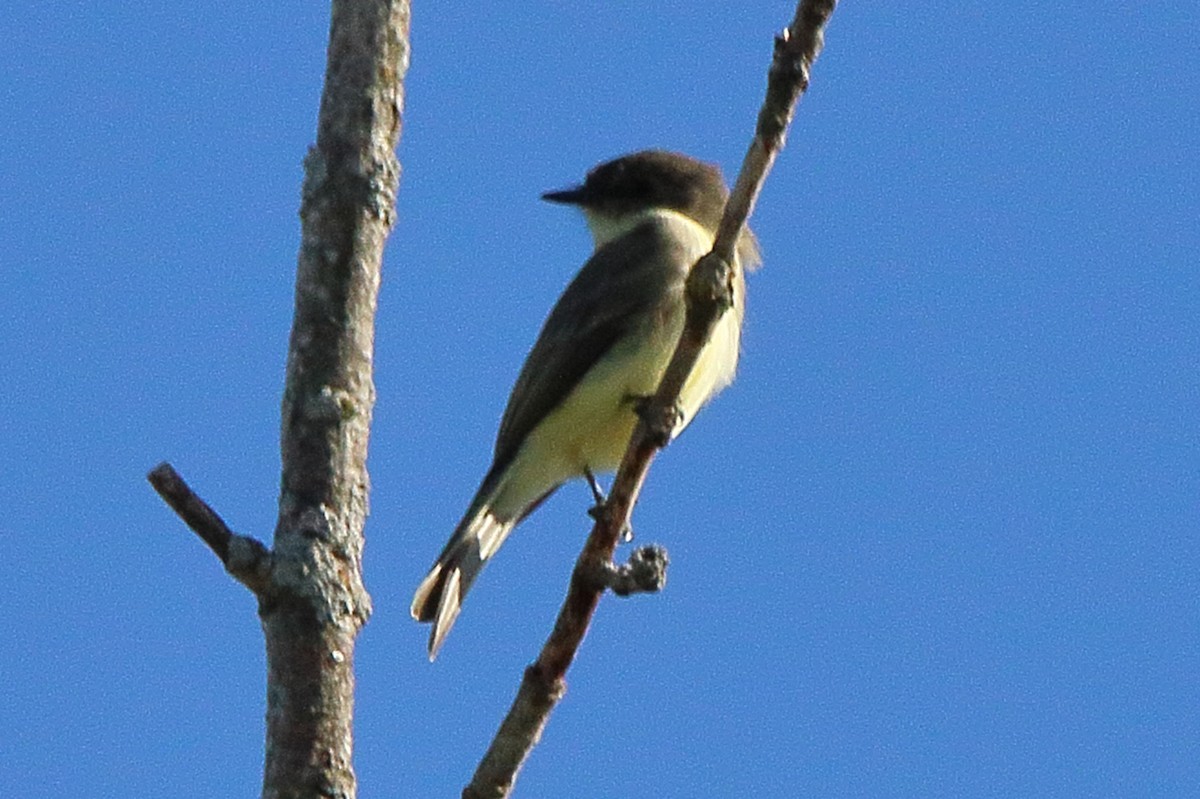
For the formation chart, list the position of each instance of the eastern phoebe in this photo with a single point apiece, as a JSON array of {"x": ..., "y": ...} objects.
[{"x": 605, "y": 345}]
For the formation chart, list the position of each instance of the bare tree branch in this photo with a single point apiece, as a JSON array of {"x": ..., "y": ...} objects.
[
  {"x": 318, "y": 602},
  {"x": 709, "y": 294},
  {"x": 245, "y": 558},
  {"x": 312, "y": 601}
]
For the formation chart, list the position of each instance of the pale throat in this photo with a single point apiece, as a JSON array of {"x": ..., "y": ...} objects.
[{"x": 607, "y": 227}]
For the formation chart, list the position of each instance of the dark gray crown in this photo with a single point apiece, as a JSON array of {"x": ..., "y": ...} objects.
[{"x": 651, "y": 179}]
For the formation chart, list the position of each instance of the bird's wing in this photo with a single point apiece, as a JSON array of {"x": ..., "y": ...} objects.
[{"x": 611, "y": 295}]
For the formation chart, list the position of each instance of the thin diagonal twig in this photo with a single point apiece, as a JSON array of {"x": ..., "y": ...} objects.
[{"x": 709, "y": 294}]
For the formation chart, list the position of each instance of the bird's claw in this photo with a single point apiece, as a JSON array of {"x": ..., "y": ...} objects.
[{"x": 598, "y": 510}]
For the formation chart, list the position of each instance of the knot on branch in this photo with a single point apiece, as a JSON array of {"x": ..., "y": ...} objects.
[
  {"x": 544, "y": 689},
  {"x": 792, "y": 59},
  {"x": 796, "y": 48},
  {"x": 249, "y": 561},
  {"x": 787, "y": 79},
  {"x": 644, "y": 573},
  {"x": 331, "y": 405},
  {"x": 661, "y": 421},
  {"x": 709, "y": 286}
]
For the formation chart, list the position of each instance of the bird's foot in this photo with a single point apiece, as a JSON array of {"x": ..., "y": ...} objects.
[{"x": 598, "y": 510}]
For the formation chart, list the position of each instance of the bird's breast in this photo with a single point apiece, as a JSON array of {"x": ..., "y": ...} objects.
[{"x": 590, "y": 429}]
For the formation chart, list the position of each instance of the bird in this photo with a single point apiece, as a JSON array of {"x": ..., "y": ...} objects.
[{"x": 603, "y": 348}]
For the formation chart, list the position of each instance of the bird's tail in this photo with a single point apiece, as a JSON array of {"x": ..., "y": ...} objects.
[{"x": 440, "y": 595}]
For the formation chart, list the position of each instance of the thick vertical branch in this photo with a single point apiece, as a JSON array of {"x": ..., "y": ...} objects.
[
  {"x": 316, "y": 602},
  {"x": 709, "y": 288},
  {"x": 310, "y": 591}
]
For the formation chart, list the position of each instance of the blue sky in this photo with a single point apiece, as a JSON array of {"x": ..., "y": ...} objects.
[{"x": 939, "y": 539}]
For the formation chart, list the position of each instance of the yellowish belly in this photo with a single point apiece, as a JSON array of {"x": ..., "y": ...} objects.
[{"x": 591, "y": 429}]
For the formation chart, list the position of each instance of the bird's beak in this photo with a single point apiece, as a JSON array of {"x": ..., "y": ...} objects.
[{"x": 572, "y": 196}]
